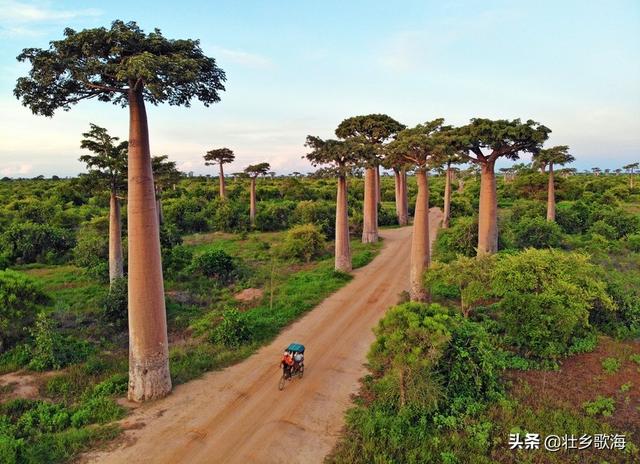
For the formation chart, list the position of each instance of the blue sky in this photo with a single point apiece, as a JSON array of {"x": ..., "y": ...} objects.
[{"x": 296, "y": 68}]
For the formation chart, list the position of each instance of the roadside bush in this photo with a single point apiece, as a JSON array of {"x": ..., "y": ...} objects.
[
  {"x": 20, "y": 300},
  {"x": 215, "y": 263},
  {"x": 51, "y": 350},
  {"x": 234, "y": 330},
  {"x": 27, "y": 242},
  {"x": 460, "y": 239},
  {"x": 536, "y": 232},
  {"x": 546, "y": 299},
  {"x": 304, "y": 242},
  {"x": 387, "y": 216}
]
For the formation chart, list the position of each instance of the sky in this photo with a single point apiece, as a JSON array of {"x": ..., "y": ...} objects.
[{"x": 297, "y": 68}]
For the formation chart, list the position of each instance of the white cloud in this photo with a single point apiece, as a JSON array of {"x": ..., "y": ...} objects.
[
  {"x": 250, "y": 60},
  {"x": 15, "y": 169},
  {"x": 17, "y": 12}
]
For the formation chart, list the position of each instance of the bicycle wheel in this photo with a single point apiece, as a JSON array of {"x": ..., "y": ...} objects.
[
  {"x": 282, "y": 382},
  {"x": 301, "y": 371}
]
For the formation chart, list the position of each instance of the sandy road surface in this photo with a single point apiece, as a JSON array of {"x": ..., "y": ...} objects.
[{"x": 238, "y": 415}]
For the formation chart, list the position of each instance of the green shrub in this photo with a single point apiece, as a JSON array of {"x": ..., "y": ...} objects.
[
  {"x": 176, "y": 260},
  {"x": 234, "y": 330},
  {"x": 274, "y": 216},
  {"x": 215, "y": 263},
  {"x": 611, "y": 365},
  {"x": 460, "y": 239},
  {"x": 600, "y": 406},
  {"x": 304, "y": 242},
  {"x": 604, "y": 229},
  {"x": 92, "y": 249},
  {"x": 27, "y": 242},
  {"x": 546, "y": 299},
  {"x": 53, "y": 351},
  {"x": 633, "y": 243},
  {"x": 20, "y": 299},
  {"x": 573, "y": 218},
  {"x": 320, "y": 213},
  {"x": 114, "y": 308},
  {"x": 536, "y": 232}
]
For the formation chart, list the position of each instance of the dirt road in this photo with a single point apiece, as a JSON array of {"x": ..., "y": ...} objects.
[{"x": 238, "y": 415}]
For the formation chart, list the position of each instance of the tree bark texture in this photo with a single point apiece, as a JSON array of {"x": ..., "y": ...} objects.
[
  {"x": 551, "y": 196},
  {"x": 343, "y": 250},
  {"x": 420, "y": 255},
  {"x": 488, "y": 214},
  {"x": 370, "y": 213},
  {"x": 116, "y": 269}
]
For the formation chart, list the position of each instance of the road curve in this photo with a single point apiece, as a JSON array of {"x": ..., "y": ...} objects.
[{"x": 238, "y": 415}]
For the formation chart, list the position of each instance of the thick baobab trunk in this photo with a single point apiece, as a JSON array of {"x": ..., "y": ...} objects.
[
  {"x": 488, "y": 214},
  {"x": 343, "y": 250},
  {"x": 447, "y": 198},
  {"x": 398, "y": 186},
  {"x": 223, "y": 191},
  {"x": 252, "y": 202},
  {"x": 420, "y": 255},
  {"x": 551, "y": 197},
  {"x": 404, "y": 197},
  {"x": 159, "y": 207},
  {"x": 378, "y": 188},
  {"x": 149, "y": 376},
  {"x": 370, "y": 214},
  {"x": 115, "y": 239}
]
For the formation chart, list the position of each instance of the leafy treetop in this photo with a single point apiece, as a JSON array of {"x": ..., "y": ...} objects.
[
  {"x": 341, "y": 155},
  {"x": 486, "y": 140},
  {"x": 422, "y": 146},
  {"x": 109, "y": 63},
  {"x": 554, "y": 155},
  {"x": 255, "y": 170},
  {"x": 109, "y": 164},
  {"x": 165, "y": 173},
  {"x": 219, "y": 156},
  {"x": 370, "y": 131}
]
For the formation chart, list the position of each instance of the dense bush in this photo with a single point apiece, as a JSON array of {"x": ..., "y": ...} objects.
[
  {"x": 320, "y": 213},
  {"x": 460, "y": 239},
  {"x": 92, "y": 250},
  {"x": 536, "y": 232},
  {"x": 304, "y": 242},
  {"x": 176, "y": 260},
  {"x": 234, "y": 329},
  {"x": 20, "y": 300},
  {"x": 215, "y": 263},
  {"x": 273, "y": 216},
  {"x": 115, "y": 304},
  {"x": 27, "y": 242},
  {"x": 229, "y": 216},
  {"x": 546, "y": 297}
]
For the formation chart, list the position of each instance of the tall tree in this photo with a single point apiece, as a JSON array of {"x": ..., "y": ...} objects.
[
  {"x": 341, "y": 156},
  {"x": 631, "y": 168},
  {"x": 165, "y": 174},
  {"x": 450, "y": 157},
  {"x": 558, "y": 155},
  {"x": 253, "y": 171},
  {"x": 371, "y": 132},
  {"x": 220, "y": 156},
  {"x": 399, "y": 167},
  {"x": 126, "y": 66},
  {"x": 424, "y": 147},
  {"x": 109, "y": 166},
  {"x": 484, "y": 141}
]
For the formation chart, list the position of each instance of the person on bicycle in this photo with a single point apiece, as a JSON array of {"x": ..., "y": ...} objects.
[{"x": 287, "y": 362}]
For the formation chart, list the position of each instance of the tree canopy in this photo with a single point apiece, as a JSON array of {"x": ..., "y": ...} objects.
[
  {"x": 255, "y": 170},
  {"x": 370, "y": 131},
  {"x": 421, "y": 146},
  {"x": 165, "y": 173},
  {"x": 340, "y": 155},
  {"x": 554, "y": 155},
  {"x": 219, "y": 156},
  {"x": 486, "y": 140},
  {"x": 108, "y": 63},
  {"x": 109, "y": 164}
]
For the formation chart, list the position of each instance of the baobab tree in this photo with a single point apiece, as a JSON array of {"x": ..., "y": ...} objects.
[
  {"x": 253, "y": 171},
  {"x": 341, "y": 156},
  {"x": 424, "y": 147},
  {"x": 450, "y": 157},
  {"x": 596, "y": 171},
  {"x": 126, "y": 66},
  {"x": 220, "y": 156},
  {"x": 484, "y": 141},
  {"x": 109, "y": 166},
  {"x": 631, "y": 168},
  {"x": 371, "y": 132},
  {"x": 165, "y": 174},
  {"x": 558, "y": 155}
]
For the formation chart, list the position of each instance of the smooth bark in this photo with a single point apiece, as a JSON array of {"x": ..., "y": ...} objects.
[
  {"x": 447, "y": 198},
  {"x": 223, "y": 190},
  {"x": 159, "y": 207},
  {"x": 370, "y": 213},
  {"x": 116, "y": 269},
  {"x": 420, "y": 255},
  {"x": 488, "y": 214},
  {"x": 378, "y": 188},
  {"x": 398, "y": 187},
  {"x": 404, "y": 197},
  {"x": 252, "y": 202},
  {"x": 551, "y": 196},
  {"x": 343, "y": 249},
  {"x": 149, "y": 376}
]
